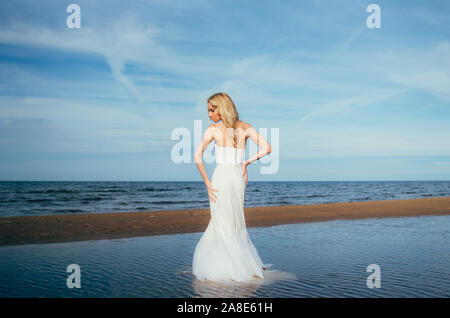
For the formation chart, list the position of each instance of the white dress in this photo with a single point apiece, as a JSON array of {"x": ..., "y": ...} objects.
[{"x": 225, "y": 251}]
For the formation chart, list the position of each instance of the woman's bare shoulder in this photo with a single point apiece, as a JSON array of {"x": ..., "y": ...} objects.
[
  {"x": 244, "y": 125},
  {"x": 216, "y": 126},
  {"x": 212, "y": 130}
]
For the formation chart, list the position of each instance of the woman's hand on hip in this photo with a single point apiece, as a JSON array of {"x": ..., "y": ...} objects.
[{"x": 211, "y": 194}]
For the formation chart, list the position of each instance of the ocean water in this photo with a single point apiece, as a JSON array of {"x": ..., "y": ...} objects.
[
  {"x": 42, "y": 198},
  {"x": 322, "y": 259}
]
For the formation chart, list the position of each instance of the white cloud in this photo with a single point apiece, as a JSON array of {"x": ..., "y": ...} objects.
[
  {"x": 440, "y": 163},
  {"x": 428, "y": 70},
  {"x": 434, "y": 81},
  {"x": 124, "y": 40},
  {"x": 75, "y": 127}
]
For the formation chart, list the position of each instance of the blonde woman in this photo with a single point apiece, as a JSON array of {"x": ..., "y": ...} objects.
[{"x": 225, "y": 251}]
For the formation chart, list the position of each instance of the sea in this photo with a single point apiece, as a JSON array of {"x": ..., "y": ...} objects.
[{"x": 20, "y": 198}]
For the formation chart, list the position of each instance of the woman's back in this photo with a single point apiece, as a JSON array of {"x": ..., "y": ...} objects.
[
  {"x": 225, "y": 136},
  {"x": 229, "y": 155}
]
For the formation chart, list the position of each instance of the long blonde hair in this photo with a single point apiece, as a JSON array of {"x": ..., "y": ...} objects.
[{"x": 227, "y": 111}]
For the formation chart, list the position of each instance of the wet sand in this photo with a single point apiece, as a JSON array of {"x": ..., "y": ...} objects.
[{"x": 80, "y": 227}]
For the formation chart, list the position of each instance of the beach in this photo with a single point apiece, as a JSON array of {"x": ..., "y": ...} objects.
[{"x": 97, "y": 226}]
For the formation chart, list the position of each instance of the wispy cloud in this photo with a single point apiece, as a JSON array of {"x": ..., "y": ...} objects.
[
  {"x": 339, "y": 107},
  {"x": 426, "y": 70},
  {"x": 123, "y": 41},
  {"x": 439, "y": 163}
]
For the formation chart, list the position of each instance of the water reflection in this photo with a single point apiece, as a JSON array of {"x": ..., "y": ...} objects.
[{"x": 210, "y": 289}]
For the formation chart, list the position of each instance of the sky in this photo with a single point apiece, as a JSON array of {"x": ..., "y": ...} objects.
[{"x": 101, "y": 102}]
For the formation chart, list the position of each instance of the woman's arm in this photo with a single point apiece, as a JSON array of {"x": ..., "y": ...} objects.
[
  {"x": 265, "y": 148},
  {"x": 264, "y": 145},
  {"x": 198, "y": 155},
  {"x": 208, "y": 136}
]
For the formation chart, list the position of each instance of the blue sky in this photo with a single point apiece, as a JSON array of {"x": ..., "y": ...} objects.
[{"x": 101, "y": 102}]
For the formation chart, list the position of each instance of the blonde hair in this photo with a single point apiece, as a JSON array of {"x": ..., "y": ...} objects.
[{"x": 227, "y": 111}]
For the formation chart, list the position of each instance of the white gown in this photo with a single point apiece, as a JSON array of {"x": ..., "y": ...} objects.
[{"x": 225, "y": 251}]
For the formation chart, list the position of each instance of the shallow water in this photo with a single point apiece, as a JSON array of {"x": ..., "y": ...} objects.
[{"x": 323, "y": 259}]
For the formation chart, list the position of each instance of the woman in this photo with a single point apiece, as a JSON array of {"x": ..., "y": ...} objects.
[{"x": 225, "y": 251}]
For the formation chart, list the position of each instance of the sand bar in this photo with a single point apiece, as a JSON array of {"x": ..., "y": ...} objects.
[{"x": 80, "y": 227}]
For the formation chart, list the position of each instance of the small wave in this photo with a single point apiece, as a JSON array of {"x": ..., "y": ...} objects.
[
  {"x": 68, "y": 199},
  {"x": 70, "y": 211},
  {"x": 316, "y": 196},
  {"x": 359, "y": 199},
  {"x": 427, "y": 195},
  {"x": 39, "y": 200},
  {"x": 161, "y": 195},
  {"x": 61, "y": 191},
  {"x": 120, "y": 191},
  {"x": 52, "y": 191},
  {"x": 171, "y": 202},
  {"x": 91, "y": 199},
  {"x": 156, "y": 189},
  {"x": 278, "y": 202}
]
